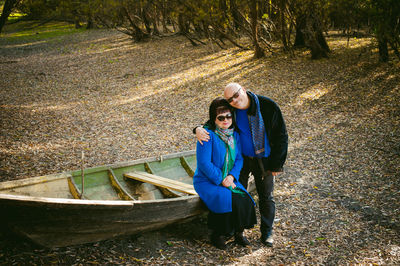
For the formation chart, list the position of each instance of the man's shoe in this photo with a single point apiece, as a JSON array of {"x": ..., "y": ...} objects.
[
  {"x": 267, "y": 239},
  {"x": 218, "y": 241},
  {"x": 240, "y": 239}
]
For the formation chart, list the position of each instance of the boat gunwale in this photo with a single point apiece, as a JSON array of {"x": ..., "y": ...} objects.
[
  {"x": 134, "y": 162},
  {"x": 34, "y": 180},
  {"x": 65, "y": 201},
  {"x": 64, "y": 175}
]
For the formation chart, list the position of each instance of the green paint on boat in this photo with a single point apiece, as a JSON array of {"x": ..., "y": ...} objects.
[
  {"x": 97, "y": 186},
  {"x": 172, "y": 169},
  {"x": 191, "y": 160},
  {"x": 121, "y": 179}
]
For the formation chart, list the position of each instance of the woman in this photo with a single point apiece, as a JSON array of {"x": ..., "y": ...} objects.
[{"x": 219, "y": 162}]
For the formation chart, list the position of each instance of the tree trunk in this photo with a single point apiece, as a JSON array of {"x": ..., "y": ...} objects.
[
  {"x": 300, "y": 26},
  {"x": 311, "y": 41},
  {"x": 164, "y": 17},
  {"x": 183, "y": 24},
  {"x": 223, "y": 7},
  {"x": 268, "y": 9},
  {"x": 322, "y": 41},
  {"x": 273, "y": 12},
  {"x": 164, "y": 25},
  {"x": 90, "y": 24},
  {"x": 77, "y": 23},
  {"x": 155, "y": 28},
  {"x": 282, "y": 7},
  {"x": 138, "y": 35},
  {"x": 383, "y": 49},
  {"x": 258, "y": 51},
  {"x": 146, "y": 21},
  {"x": 316, "y": 50},
  {"x": 235, "y": 14},
  {"x": 395, "y": 48},
  {"x": 262, "y": 8},
  {"x": 7, "y": 9},
  {"x": 314, "y": 38}
]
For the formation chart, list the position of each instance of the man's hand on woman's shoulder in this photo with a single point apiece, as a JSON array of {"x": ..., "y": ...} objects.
[{"x": 202, "y": 135}]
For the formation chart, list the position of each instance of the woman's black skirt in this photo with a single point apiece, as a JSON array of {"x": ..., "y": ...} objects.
[{"x": 243, "y": 216}]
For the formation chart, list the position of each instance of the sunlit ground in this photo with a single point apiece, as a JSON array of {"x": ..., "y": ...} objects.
[{"x": 118, "y": 100}]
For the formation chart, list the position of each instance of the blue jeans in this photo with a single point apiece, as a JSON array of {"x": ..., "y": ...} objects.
[{"x": 265, "y": 188}]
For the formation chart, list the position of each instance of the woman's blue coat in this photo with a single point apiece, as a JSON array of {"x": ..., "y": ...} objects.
[{"x": 207, "y": 179}]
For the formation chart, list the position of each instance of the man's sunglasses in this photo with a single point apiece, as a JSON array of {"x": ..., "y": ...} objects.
[
  {"x": 234, "y": 96},
  {"x": 223, "y": 117}
]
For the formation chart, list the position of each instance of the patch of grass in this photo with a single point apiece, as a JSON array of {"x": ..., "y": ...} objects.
[
  {"x": 14, "y": 17},
  {"x": 33, "y": 31}
]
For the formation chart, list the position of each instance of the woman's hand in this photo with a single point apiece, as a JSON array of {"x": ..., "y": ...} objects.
[
  {"x": 202, "y": 135},
  {"x": 230, "y": 178},
  {"x": 228, "y": 181}
]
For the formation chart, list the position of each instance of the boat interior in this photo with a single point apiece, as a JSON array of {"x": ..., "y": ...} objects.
[{"x": 151, "y": 179}]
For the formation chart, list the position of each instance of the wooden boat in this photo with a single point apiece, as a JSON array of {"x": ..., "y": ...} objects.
[{"x": 98, "y": 203}]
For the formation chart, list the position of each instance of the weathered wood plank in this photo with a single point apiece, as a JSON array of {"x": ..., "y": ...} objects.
[
  {"x": 167, "y": 192},
  {"x": 122, "y": 193},
  {"x": 33, "y": 181},
  {"x": 148, "y": 168},
  {"x": 161, "y": 182},
  {"x": 186, "y": 166},
  {"x": 73, "y": 188},
  {"x": 160, "y": 178}
]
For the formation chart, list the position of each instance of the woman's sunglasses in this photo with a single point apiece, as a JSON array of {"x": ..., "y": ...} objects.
[{"x": 223, "y": 117}]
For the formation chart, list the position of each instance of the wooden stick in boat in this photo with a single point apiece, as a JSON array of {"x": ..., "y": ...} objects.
[{"x": 82, "y": 174}]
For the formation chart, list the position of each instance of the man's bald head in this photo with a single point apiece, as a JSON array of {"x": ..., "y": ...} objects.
[{"x": 236, "y": 96}]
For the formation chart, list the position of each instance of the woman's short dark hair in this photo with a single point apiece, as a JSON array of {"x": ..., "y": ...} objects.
[{"x": 218, "y": 106}]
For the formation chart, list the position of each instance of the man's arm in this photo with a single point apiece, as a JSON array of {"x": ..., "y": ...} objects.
[
  {"x": 279, "y": 140},
  {"x": 277, "y": 135},
  {"x": 201, "y": 133}
]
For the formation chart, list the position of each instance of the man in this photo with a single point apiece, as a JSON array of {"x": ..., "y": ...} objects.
[{"x": 264, "y": 143}]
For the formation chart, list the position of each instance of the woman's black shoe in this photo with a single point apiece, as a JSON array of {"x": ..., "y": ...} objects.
[
  {"x": 240, "y": 239},
  {"x": 218, "y": 241}
]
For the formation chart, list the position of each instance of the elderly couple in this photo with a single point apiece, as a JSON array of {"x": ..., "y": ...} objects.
[{"x": 245, "y": 134}]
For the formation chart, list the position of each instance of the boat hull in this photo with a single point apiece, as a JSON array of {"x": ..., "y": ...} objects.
[{"x": 58, "y": 223}]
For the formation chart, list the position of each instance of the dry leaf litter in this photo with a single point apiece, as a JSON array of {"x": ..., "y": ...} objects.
[{"x": 97, "y": 91}]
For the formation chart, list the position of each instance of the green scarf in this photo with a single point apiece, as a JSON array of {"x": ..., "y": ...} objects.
[{"x": 226, "y": 136}]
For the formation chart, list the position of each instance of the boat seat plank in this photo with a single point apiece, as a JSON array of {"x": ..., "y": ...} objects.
[{"x": 161, "y": 182}]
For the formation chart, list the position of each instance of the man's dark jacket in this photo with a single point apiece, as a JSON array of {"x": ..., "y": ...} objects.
[{"x": 276, "y": 132}]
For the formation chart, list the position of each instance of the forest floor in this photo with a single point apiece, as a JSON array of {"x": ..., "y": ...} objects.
[{"x": 338, "y": 201}]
